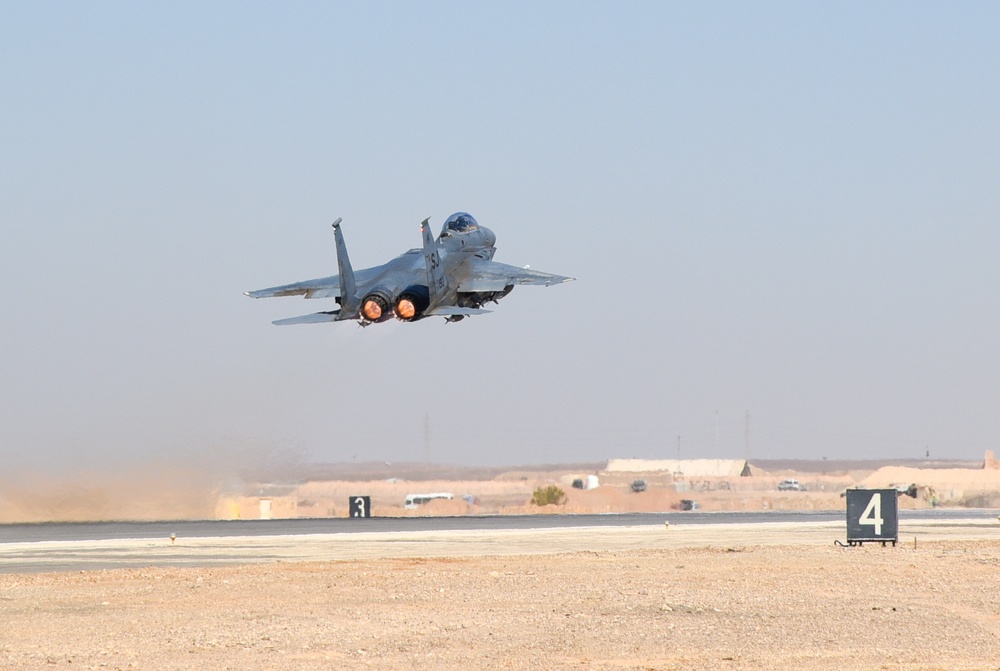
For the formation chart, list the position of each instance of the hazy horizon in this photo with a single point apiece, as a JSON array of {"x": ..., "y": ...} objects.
[{"x": 782, "y": 218}]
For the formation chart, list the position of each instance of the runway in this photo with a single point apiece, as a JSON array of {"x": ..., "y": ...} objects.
[
  {"x": 82, "y": 531},
  {"x": 31, "y": 548},
  {"x": 70, "y": 531}
]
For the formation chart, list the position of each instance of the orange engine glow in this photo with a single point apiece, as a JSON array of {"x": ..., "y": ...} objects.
[
  {"x": 372, "y": 310},
  {"x": 405, "y": 309}
]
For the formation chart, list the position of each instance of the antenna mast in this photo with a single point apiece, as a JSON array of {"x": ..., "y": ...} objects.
[
  {"x": 427, "y": 438},
  {"x": 746, "y": 436}
]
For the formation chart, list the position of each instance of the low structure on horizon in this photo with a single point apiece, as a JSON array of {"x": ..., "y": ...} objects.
[{"x": 686, "y": 468}]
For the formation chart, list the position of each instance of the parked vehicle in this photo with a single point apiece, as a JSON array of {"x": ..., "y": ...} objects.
[
  {"x": 638, "y": 486},
  {"x": 790, "y": 485}
]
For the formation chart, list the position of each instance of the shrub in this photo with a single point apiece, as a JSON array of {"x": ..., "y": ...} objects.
[{"x": 548, "y": 496}]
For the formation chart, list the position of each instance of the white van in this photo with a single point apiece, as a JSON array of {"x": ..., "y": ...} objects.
[{"x": 414, "y": 501}]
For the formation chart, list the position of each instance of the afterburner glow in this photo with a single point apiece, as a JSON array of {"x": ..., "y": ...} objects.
[
  {"x": 372, "y": 310},
  {"x": 405, "y": 309}
]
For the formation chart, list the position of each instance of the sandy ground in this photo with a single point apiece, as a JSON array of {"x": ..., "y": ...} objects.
[{"x": 771, "y": 596}]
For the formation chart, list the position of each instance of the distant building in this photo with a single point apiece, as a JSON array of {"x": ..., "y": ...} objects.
[{"x": 685, "y": 468}]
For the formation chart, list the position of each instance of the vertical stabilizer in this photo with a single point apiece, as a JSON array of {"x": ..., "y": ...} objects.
[
  {"x": 349, "y": 303},
  {"x": 436, "y": 280}
]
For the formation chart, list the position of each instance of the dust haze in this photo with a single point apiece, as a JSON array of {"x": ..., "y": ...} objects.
[{"x": 185, "y": 485}]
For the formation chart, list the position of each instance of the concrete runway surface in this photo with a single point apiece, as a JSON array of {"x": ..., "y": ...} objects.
[{"x": 129, "y": 545}]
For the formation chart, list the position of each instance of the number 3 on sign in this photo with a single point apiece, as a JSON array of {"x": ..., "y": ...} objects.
[
  {"x": 359, "y": 508},
  {"x": 873, "y": 513}
]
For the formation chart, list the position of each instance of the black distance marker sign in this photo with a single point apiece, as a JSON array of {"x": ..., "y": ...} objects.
[
  {"x": 872, "y": 516},
  {"x": 360, "y": 506}
]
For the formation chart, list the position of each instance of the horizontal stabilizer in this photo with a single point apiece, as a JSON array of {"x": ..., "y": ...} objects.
[
  {"x": 315, "y": 318},
  {"x": 325, "y": 287}
]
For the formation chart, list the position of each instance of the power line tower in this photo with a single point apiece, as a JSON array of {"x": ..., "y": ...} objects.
[
  {"x": 427, "y": 438},
  {"x": 715, "y": 447},
  {"x": 746, "y": 436}
]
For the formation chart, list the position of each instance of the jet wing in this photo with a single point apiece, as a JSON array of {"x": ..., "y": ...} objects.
[
  {"x": 324, "y": 287},
  {"x": 486, "y": 275}
]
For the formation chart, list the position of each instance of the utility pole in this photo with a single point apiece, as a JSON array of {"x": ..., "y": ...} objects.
[
  {"x": 427, "y": 438},
  {"x": 716, "y": 449},
  {"x": 746, "y": 436}
]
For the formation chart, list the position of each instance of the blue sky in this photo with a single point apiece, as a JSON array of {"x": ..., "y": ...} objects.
[{"x": 782, "y": 209}]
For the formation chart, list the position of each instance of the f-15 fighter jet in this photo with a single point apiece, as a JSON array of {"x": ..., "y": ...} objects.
[{"x": 451, "y": 277}]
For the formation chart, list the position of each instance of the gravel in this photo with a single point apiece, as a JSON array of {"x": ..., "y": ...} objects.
[{"x": 738, "y": 607}]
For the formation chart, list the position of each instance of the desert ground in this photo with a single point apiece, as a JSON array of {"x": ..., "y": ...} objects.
[
  {"x": 655, "y": 597},
  {"x": 771, "y": 596}
]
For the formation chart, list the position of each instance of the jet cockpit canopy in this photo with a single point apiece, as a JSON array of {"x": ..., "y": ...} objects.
[{"x": 460, "y": 222}]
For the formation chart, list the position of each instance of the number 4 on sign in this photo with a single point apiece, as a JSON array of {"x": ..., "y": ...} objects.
[{"x": 873, "y": 513}]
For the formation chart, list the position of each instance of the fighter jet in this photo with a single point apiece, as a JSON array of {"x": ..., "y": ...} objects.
[{"x": 451, "y": 277}]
